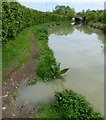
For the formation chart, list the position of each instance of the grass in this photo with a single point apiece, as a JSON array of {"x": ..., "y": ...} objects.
[
  {"x": 14, "y": 95},
  {"x": 47, "y": 67},
  {"x": 17, "y": 51},
  {"x": 48, "y": 111},
  {"x": 70, "y": 105}
]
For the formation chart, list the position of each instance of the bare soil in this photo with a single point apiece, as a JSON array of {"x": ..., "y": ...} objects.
[{"x": 11, "y": 85}]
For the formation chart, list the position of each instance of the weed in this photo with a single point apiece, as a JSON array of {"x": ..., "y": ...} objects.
[
  {"x": 34, "y": 81},
  {"x": 14, "y": 95}
]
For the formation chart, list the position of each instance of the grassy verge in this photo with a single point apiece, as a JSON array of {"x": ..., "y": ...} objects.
[
  {"x": 47, "y": 67},
  {"x": 70, "y": 105},
  {"x": 17, "y": 51}
]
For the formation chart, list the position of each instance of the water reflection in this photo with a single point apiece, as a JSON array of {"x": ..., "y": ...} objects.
[
  {"x": 66, "y": 29},
  {"x": 83, "y": 28},
  {"x": 88, "y": 30},
  {"x": 62, "y": 29}
]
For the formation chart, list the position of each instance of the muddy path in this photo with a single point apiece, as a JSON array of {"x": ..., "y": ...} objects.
[{"x": 20, "y": 77}]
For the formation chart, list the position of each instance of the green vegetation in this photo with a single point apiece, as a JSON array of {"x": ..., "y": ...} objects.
[
  {"x": 34, "y": 81},
  {"x": 93, "y": 15},
  {"x": 47, "y": 111},
  {"x": 17, "y": 51},
  {"x": 66, "y": 11},
  {"x": 14, "y": 95},
  {"x": 70, "y": 105},
  {"x": 93, "y": 18},
  {"x": 47, "y": 67},
  {"x": 17, "y": 17}
]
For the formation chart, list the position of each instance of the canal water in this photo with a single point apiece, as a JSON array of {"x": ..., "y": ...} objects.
[{"x": 81, "y": 49}]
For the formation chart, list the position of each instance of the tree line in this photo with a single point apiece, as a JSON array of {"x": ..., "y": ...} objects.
[{"x": 93, "y": 16}]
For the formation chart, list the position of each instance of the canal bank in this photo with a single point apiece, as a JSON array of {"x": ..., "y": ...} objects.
[{"x": 80, "y": 49}]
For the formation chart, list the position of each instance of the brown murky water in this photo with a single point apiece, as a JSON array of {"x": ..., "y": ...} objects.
[{"x": 82, "y": 50}]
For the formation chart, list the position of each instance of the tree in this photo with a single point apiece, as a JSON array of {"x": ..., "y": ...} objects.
[
  {"x": 70, "y": 14},
  {"x": 65, "y": 11},
  {"x": 91, "y": 16}
]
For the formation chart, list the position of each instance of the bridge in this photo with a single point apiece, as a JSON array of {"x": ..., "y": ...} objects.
[{"x": 78, "y": 18}]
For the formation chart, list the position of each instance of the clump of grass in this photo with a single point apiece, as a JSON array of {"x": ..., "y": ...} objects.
[
  {"x": 47, "y": 67},
  {"x": 32, "y": 82},
  {"x": 47, "y": 111},
  {"x": 70, "y": 105},
  {"x": 14, "y": 95}
]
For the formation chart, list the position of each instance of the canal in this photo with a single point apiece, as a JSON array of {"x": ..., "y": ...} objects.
[{"x": 81, "y": 49}]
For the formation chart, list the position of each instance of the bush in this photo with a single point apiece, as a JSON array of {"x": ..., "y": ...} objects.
[{"x": 69, "y": 104}]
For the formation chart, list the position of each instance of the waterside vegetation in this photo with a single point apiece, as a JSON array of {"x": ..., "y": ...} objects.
[
  {"x": 69, "y": 105},
  {"x": 47, "y": 68},
  {"x": 19, "y": 23},
  {"x": 94, "y": 18}
]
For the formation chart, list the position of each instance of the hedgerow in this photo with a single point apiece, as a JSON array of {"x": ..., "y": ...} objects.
[{"x": 16, "y": 17}]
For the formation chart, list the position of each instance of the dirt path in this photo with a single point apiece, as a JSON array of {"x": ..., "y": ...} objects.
[{"x": 11, "y": 85}]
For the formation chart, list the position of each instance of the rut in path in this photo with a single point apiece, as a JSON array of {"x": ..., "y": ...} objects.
[{"x": 11, "y": 84}]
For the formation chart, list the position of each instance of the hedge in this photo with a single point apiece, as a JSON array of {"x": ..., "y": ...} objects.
[{"x": 16, "y": 17}]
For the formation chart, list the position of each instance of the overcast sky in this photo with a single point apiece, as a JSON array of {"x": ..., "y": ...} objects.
[{"x": 49, "y": 5}]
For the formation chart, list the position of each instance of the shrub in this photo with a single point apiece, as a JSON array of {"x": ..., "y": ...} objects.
[{"x": 69, "y": 104}]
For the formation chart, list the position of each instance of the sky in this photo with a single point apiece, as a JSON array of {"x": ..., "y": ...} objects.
[{"x": 47, "y": 5}]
